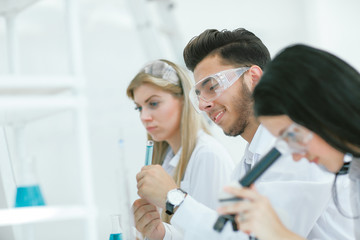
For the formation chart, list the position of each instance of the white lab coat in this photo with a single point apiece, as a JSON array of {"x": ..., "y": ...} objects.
[
  {"x": 299, "y": 192},
  {"x": 209, "y": 169}
]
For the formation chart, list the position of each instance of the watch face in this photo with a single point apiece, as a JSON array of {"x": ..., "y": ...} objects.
[{"x": 176, "y": 197}]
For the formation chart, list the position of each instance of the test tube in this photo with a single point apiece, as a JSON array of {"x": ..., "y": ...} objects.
[
  {"x": 116, "y": 231},
  {"x": 123, "y": 197},
  {"x": 149, "y": 152}
]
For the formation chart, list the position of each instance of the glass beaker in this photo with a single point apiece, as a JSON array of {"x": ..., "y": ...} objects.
[
  {"x": 116, "y": 230},
  {"x": 28, "y": 192}
]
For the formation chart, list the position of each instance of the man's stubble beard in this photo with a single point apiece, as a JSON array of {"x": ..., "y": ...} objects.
[{"x": 243, "y": 105}]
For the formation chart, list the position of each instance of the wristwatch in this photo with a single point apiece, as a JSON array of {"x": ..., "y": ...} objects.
[{"x": 174, "y": 198}]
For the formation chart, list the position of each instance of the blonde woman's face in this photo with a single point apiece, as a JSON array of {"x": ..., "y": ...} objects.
[
  {"x": 317, "y": 150},
  {"x": 160, "y": 112}
]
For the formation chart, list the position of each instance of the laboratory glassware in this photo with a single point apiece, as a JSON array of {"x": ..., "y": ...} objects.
[
  {"x": 149, "y": 152},
  {"x": 116, "y": 229},
  {"x": 123, "y": 195},
  {"x": 28, "y": 192}
]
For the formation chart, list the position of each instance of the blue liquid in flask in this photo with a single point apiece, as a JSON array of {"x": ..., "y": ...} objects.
[
  {"x": 115, "y": 236},
  {"x": 27, "y": 196}
]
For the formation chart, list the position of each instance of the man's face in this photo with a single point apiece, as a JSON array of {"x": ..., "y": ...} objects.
[{"x": 232, "y": 109}]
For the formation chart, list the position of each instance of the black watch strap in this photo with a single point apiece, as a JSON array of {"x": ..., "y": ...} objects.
[{"x": 169, "y": 208}]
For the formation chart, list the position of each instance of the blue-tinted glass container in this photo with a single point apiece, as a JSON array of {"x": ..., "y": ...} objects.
[
  {"x": 28, "y": 192},
  {"x": 116, "y": 230}
]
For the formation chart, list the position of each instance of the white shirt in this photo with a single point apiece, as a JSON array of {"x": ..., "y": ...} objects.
[
  {"x": 300, "y": 193},
  {"x": 209, "y": 169}
]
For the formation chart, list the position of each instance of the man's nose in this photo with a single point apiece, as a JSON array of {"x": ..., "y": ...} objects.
[{"x": 204, "y": 105}]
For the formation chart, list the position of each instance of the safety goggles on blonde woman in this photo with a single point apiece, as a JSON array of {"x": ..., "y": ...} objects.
[{"x": 161, "y": 69}]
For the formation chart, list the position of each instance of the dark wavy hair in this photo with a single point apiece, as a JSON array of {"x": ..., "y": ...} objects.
[
  {"x": 315, "y": 89},
  {"x": 238, "y": 47}
]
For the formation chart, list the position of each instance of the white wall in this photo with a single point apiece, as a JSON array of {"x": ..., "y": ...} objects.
[{"x": 113, "y": 53}]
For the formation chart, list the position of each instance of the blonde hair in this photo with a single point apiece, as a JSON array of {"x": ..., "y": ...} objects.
[{"x": 191, "y": 121}]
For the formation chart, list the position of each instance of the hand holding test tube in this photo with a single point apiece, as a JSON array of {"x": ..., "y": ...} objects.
[{"x": 149, "y": 152}]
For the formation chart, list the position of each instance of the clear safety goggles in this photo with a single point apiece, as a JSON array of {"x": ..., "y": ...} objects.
[
  {"x": 161, "y": 69},
  {"x": 296, "y": 138},
  {"x": 211, "y": 87}
]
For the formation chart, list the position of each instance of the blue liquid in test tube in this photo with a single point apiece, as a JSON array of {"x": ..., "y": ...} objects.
[{"x": 149, "y": 152}]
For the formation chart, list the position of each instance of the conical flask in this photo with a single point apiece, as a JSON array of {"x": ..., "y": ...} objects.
[
  {"x": 28, "y": 192},
  {"x": 116, "y": 230}
]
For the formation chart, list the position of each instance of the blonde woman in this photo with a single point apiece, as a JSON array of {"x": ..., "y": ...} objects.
[{"x": 185, "y": 154}]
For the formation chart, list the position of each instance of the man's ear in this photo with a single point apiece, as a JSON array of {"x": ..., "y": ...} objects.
[{"x": 255, "y": 75}]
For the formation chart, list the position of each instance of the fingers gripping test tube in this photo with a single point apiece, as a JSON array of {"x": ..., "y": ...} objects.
[{"x": 149, "y": 152}]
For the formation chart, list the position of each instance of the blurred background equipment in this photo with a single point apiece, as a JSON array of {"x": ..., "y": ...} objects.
[{"x": 64, "y": 69}]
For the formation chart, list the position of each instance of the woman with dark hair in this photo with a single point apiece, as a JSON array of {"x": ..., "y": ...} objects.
[{"x": 313, "y": 97}]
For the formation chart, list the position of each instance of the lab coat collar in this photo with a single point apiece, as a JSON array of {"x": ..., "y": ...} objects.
[
  {"x": 175, "y": 159},
  {"x": 262, "y": 141}
]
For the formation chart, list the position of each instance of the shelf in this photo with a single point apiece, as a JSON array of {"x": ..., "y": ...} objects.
[
  {"x": 15, "y": 216},
  {"x": 14, "y": 6},
  {"x": 21, "y": 109},
  {"x": 26, "y": 98},
  {"x": 28, "y": 85}
]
